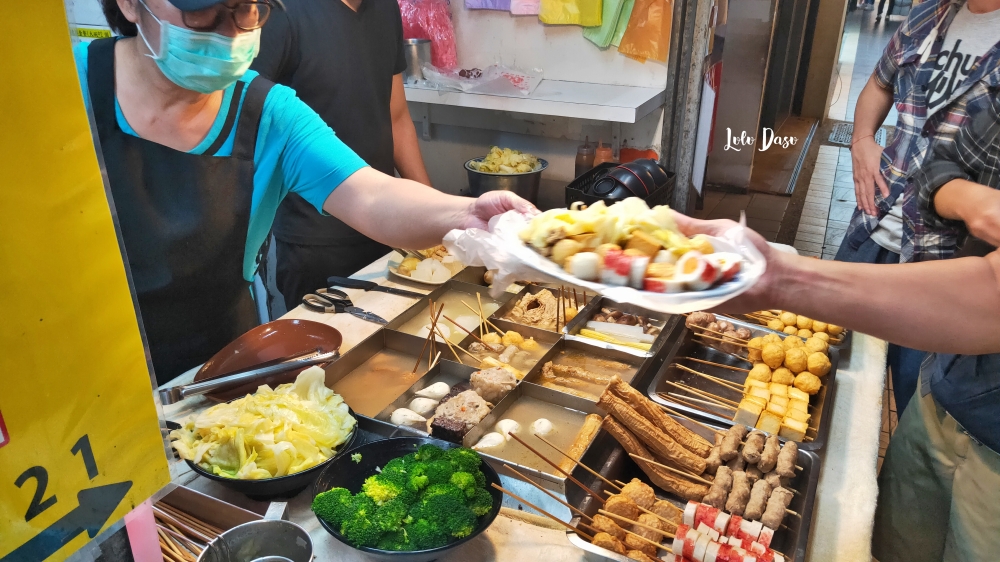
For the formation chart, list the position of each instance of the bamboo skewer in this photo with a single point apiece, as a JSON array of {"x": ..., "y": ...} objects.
[
  {"x": 620, "y": 483},
  {"x": 684, "y": 473},
  {"x": 435, "y": 362},
  {"x": 545, "y": 513},
  {"x": 578, "y": 463},
  {"x": 635, "y": 523},
  {"x": 576, "y": 302},
  {"x": 703, "y": 394},
  {"x": 461, "y": 327},
  {"x": 172, "y": 546},
  {"x": 167, "y": 517},
  {"x": 720, "y": 381},
  {"x": 732, "y": 339},
  {"x": 690, "y": 419},
  {"x": 430, "y": 334},
  {"x": 714, "y": 364},
  {"x": 685, "y": 399},
  {"x": 191, "y": 545},
  {"x": 482, "y": 317},
  {"x": 557, "y": 467},
  {"x": 450, "y": 346},
  {"x": 548, "y": 493},
  {"x": 485, "y": 320},
  {"x": 467, "y": 352},
  {"x": 192, "y": 521}
]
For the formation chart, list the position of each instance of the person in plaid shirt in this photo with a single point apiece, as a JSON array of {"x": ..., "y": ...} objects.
[{"x": 938, "y": 70}]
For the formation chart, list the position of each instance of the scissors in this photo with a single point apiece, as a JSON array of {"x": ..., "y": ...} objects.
[{"x": 333, "y": 300}]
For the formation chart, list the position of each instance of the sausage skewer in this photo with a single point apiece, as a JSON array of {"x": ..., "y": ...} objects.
[{"x": 683, "y": 473}]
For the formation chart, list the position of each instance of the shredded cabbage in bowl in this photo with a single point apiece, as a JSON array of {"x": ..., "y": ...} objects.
[{"x": 270, "y": 433}]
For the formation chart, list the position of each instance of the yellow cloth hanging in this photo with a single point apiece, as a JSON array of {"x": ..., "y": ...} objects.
[{"x": 571, "y": 12}]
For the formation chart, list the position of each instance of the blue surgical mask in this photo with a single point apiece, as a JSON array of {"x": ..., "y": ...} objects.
[{"x": 201, "y": 61}]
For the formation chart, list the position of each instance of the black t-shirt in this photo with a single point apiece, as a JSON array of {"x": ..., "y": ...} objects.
[{"x": 341, "y": 63}]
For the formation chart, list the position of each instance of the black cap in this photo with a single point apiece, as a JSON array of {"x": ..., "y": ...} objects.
[{"x": 191, "y": 5}]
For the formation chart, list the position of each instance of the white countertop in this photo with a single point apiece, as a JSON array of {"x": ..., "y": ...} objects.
[{"x": 845, "y": 499}]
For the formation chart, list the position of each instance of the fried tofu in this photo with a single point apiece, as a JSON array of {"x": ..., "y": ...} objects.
[
  {"x": 633, "y": 542},
  {"x": 643, "y": 242},
  {"x": 605, "y": 540},
  {"x": 641, "y": 493},
  {"x": 622, "y": 506},
  {"x": 608, "y": 525},
  {"x": 640, "y": 556},
  {"x": 667, "y": 511}
]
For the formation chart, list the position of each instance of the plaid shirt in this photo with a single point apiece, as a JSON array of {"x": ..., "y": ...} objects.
[
  {"x": 901, "y": 70},
  {"x": 973, "y": 154}
]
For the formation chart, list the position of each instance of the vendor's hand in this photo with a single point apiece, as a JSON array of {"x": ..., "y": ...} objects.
[
  {"x": 762, "y": 295},
  {"x": 493, "y": 203},
  {"x": 866, "y": 156}
]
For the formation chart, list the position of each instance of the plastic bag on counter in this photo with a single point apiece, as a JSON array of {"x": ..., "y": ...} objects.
[
  {"x": 603, "y": 34},
  {"x": 622, "y": 24},
  {"x": 497, "y": 80},
  {"x": 503, "y": 5},
  {"x": 524, "y": 7},
  {"x": 648, "y": 33},
  {"x": 501, "y": 249},
  {"x": 570, "y": 12},
  {"x": 431, "y": 19}
]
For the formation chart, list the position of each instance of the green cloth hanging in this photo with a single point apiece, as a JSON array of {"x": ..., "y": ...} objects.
[
  {"x": 602, "y": 35},
  {"x": 622, "y": 24}
]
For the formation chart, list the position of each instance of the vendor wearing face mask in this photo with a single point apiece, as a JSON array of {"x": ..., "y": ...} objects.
[{"x": 199, "y": 154}]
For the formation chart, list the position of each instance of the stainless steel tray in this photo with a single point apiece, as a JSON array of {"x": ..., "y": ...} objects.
[
  {"x": 791, "y": 540},
  {"x": 531, "y": 290},
  {"x": 845, "y": 342},
  {"x": 690, "y": 346},
  {"x": 595, "y": 306},
  {"x": 644, "y": 365},
  {"x": 422, "y": 306},
  {"x": 445, "y": 371},
  {"x": 542, "y": 336}
]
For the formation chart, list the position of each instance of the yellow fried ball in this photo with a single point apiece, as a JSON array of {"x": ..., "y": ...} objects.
[
  {"x": 773, "y": 355},
  {"x": 492, "y": 338},
  {"x": 823, "y": 336},
  {"x": 803, "y": 322},
  {"x": 805, "y": 334},
  {"x": 791, "y": 330},
  {"x": 815, "y": 344},
  {"x": 790, "y": 342},
  {"x": 529, "y": 345},
  {"x": 782, "y": 375},
  {"x": 796, "y": 360},
  {"x": 772, "y": 338},
  {"x": 787, "y": 318},
  {"x": 760, "y": 372},
  {"x": 834, "y": 330},
  {"x": 819, "y": 364},
  {"x": 808, "y": 383},
  {"x": 775, "y": 324},
  {"x": 571, "y": 313},
  {"x": 819, "y": 326},
  {"x": 754, "y": 348},
  {"x": 512, "y": 338}
]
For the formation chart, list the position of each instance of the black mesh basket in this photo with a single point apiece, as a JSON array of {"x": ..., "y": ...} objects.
[{"x": 577, "y": 189}]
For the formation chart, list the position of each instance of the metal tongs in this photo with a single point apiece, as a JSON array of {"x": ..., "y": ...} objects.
[{"x": 175, "y": 394}]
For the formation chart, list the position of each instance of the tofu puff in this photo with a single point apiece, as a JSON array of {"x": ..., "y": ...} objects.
[
  {"x": 796, "y": 360},
  {"x": 760, "y": 372},
  {"x": 815, "y": 344},
  {"x": 808, "y": 383},
  {"x": 773, "y": 355},
  {"x": 623, "y": 506},
  {"x": 606, "y": 541},
  {"x": 607, "y": 525},
  {"x": 668, "y": 511},
  {"x": 645, "y": 530},
  {"x": 781, "y": 375},
  {"x": 641, "y": 556},
  {"x": 640, "y": 492},
  {"x": 819, "y": 364}
]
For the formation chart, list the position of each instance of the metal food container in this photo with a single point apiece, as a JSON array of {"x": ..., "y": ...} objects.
[
  {"x": 791, "y": 539},
  {"x": 422, "y": 306},
  {"x": 544, "y": 337},
  {"x": 417, "y": 53},
  {"x": 595, "y": 306},
  {"x": 641, "y": 364},
  {"x": 445, "y": 371},
  {"x": 844, "y": 344},
  {"x": 524, "y": 185},
  {"x": 689, "y": 345},
  {"x": 532, "y": 290}
]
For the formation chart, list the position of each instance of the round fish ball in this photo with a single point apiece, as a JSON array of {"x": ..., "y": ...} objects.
[
  {"x": 819, "y": 326},
  {"x": 796, "y": 360},
  {"x": 775, "y": 324},
  {"x": 834, "y": 330},
  {"x": 790, "y": 342},
  {"x": 773, "y": 355},
  {"x": 804, "y": 333},
  {"x": 771, "y": 338},
  {"x": 782, "y": 375},
  {"x": 808, "y": 383},
  {"x": 819, "y": 364},
  {"x": 791, "y": 330},
  {"x": 754, "y": 349},
  {"x": 823, "y": 336},
  {"x": 760, "y": 372},
  {"x": 492, "y": 337},
  {"x": 815, "y": 344},
  {"x": 788, "y": 318},
  {"x": 803, "y": 322}
]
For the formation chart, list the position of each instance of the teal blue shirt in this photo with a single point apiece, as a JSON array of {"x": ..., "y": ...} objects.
[{"x": 296, "y": 152}]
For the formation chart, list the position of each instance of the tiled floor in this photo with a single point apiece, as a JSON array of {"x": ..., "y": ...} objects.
[
  {"x": 828, "y": 206},
  {"x": 764, "y": 211}
]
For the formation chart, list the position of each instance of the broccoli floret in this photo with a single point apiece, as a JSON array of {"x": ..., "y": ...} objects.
[
  {"x": 464, "y": 460},
  {"x": 465, "y": 482},
  {"x": 361, "y": 531},
  {"x": 428, "y": 453},
  {"x": 418, "y": 482},
  {"x": 460, "y": 523},
  {"x": 333, "y": 506},
  {"x": 480, "y": 478},
  {"x": 481, "y": 502},
  {"x": 395, "y": 540},
  {"x": 423, "y": 535},
  {"x": 381, "y": 488},
  {"x": 391, "y": 515},
  {"x": 356, "y": 457},
  {"x": 439, "y": 472}
]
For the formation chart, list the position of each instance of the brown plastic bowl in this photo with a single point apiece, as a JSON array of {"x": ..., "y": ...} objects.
[{"x": 264, "y": 344}]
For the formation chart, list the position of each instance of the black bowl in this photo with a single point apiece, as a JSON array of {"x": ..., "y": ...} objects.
[
  {"x": 653, "y": 167},
  {"x": 345, "y": 473},
  {"x": 623, "y": 182},
  {"x": 271, "y": 488}
]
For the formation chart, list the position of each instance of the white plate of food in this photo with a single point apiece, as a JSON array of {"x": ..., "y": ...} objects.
[
  {"x": 627, "y": 252},
  {"x": 435, "y": 267}
]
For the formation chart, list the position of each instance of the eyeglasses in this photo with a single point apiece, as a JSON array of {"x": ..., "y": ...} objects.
[{"x": 247, "y": 16}]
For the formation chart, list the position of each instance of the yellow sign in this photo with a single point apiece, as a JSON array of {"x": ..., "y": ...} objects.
[
  {"x": 92, "y": 32},
  {"x": 79, "y": 438}
]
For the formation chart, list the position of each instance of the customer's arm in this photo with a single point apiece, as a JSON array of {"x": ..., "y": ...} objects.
[
  {"x": 873, "y": 106},
  {"x": 950, "y": 306},
  {"x": 407, "y": 214},
  {"x": 405, "y": 149}
]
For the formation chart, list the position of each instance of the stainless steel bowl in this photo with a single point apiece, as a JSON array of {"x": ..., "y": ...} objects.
[
  {"x": 524, "y": 185},
  {"x": 267, "y": 539}
]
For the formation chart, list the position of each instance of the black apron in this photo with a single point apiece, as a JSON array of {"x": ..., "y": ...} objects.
[{"x": 183, "y": 220}]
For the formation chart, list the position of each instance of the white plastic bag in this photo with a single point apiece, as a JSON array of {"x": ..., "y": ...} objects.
[
  {"x": 501, "y": 249},
  {"x": 498, "y": 80}
]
